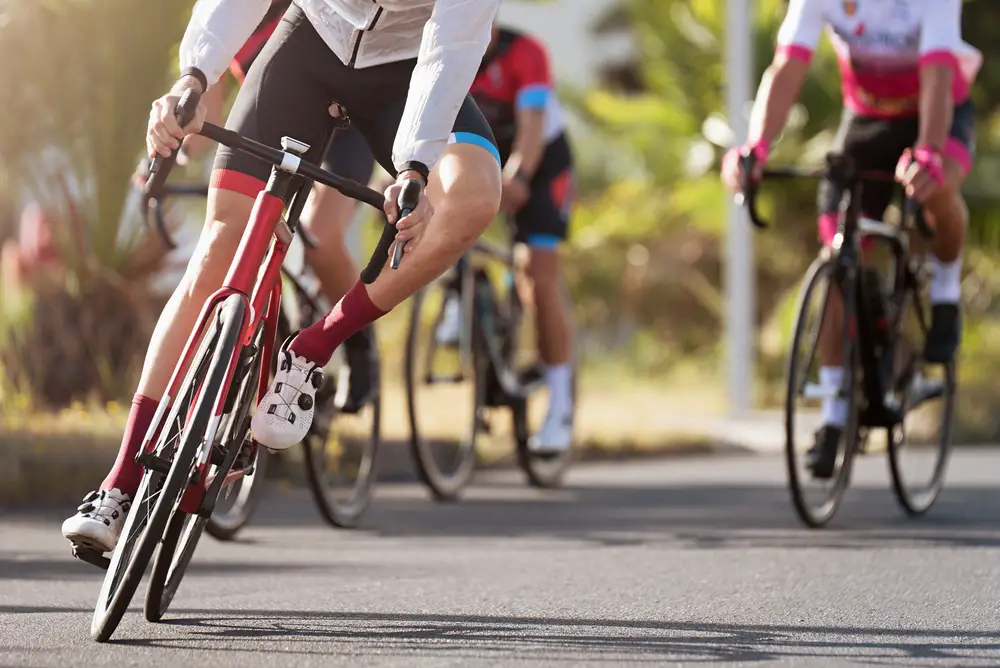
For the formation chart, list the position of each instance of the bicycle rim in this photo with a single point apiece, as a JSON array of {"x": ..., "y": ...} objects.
[
  {"x": 445, "y": 395},
  {"x": 147, "y": 519},
  {"x": 341, "y": 453},
  {"x": 815, "y": 501},
  {"x": 920, "y": 446}
]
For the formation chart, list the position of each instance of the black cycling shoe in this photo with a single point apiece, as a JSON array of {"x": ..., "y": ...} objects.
[
  {"x": 945, "y": 333},
  {"x": 823, "y": 455},
  {"x": 361, "y": 352}
]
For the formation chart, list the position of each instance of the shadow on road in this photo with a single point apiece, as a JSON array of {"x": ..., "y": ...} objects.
[
  {"x": 694, "y": 515},
  {"x": 563, "y": 639},
  {"x": 32, "y": 567}
]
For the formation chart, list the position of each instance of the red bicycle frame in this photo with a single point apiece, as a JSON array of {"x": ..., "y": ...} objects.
[{"x": 254, "y": 275}]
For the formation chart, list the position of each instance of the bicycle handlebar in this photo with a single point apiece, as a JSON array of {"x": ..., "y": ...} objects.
[
  {"x": 838, "y": 168},
  {"x": 408, "y": 198}
]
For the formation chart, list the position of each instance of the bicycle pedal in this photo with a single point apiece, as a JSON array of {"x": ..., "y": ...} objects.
[{"x": 92, "y": 557}]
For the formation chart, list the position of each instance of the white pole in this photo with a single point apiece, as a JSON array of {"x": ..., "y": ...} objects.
[{"x": 740, "y": 275}]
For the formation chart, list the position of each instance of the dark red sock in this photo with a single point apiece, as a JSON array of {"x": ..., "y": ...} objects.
[
  {"x": 126, "y": 474},
  {"x": 351, "y": 314}
]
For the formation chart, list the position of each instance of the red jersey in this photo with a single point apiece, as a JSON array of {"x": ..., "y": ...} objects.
[{"x": 515, "y": 75}]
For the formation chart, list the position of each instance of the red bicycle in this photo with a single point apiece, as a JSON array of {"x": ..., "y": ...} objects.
[{"x": 199, "y": 443}]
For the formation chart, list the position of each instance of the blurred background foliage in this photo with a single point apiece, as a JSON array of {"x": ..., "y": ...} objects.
[{"x": 646, "y": 262}]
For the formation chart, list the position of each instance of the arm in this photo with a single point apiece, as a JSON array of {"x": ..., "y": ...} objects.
[
  {"x": 216, "y": 31},
  {"x": 534, "y": 84},
  {"x": 780, "y": 86},
  {"x": 454, "y": 41},
  {"x": 940, "y": 41}
]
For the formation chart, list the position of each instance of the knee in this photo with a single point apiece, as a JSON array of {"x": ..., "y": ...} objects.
[
  {"x": 947, "y": 207},
  {"x": 469, "y": 189}
]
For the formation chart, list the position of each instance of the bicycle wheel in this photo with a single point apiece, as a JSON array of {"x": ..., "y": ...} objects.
[
  {"x": 238, "y": 501},
  {"x": 920, "y": 446},
  {"x": 158, "y": 494},
  {"x": 445, "y": 393},
  {"x": 184, "y": 529},
  {"x": 816, "y": 501},
  {"x": 341, "y": 450},
  {"x": 545, "y": 471}
]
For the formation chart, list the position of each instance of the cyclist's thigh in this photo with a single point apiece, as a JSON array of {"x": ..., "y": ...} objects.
[
  {"x": 961, "y": 146},
  {"x": 349, "y": 155},
  {"x": 543, "y": 222},
  {"x": 377, "y": 113},
  {"x": 286, "y": 93}
]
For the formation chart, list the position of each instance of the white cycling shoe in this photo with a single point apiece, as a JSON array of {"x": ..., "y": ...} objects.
[
  {"x": 285, "y": 413},
  {"x": 98, "y": 522},
  {"x": 450, "y": 328},
  {"x": 555, "y": 437}
]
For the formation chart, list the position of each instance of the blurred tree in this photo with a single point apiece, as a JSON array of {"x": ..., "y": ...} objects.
[{"x": 80, "y": 76}]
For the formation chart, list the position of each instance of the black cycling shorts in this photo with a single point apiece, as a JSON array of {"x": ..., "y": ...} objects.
[
  {"x": 877, "y": 143},
  {"x": 289, "y": 90},
  {"x": 543, "y": 222}
]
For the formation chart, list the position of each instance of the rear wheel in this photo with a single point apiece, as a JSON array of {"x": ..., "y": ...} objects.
[
  {"x": 238, "y": 501},
  {"x": 158, "y": 495},
  {"x": 541, "y": 470},
  {"x": 816, "y": 500},
  {"x": 445, "y": 391},
  {"x": 341, "y": 451},
  {"x": 920, "y": 446}
]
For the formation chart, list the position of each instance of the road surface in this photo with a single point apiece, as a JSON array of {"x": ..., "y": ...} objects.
[{"x": 688, "y": 560}]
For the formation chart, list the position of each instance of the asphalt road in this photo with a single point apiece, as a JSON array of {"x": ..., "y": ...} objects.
[{"x": 653, "y": 562}]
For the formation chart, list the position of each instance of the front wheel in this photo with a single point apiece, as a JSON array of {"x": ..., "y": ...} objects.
[
  {"x": 920, "y": 446},
  {"x": 181, "y": 438},
  {"x": 816, "y": 500}
]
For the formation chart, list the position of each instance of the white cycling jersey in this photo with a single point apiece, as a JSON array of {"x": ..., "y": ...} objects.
[
  {"x": 447, "y": 37},
  {"x": 881, "y": 45}
]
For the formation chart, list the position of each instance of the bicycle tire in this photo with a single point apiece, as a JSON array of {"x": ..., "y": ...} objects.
[
  {"x": 183, "y": 529},
  {"x": 912, "y": 502},
  {"x": 443, "y": 485},
  {"x": 117, "y": 592},
  {"x": 544, "y": 472},
  {"x": 225, "y": 526},
  {"x": 338, "y": 512},
  {"x": 819, "y": 271}
]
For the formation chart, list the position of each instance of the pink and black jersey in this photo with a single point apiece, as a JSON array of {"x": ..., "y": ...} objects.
[
  {"x": 515, "y": 75},
  {"x": 881, "y": 45}
]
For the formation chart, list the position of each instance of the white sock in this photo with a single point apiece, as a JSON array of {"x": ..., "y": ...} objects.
[
  {"x": 834, "y": 409},
  {"x": 559, "y": 378},
  {"x": 946, "y": 287}
]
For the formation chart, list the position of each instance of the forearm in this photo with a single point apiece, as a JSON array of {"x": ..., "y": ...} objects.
[
  {"x": 529, "y": 144},
  {"x": 936, "y": 105},
  {"x": 779, "y": 89}
]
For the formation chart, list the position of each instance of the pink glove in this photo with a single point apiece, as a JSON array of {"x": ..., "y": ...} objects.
[
  {"x": 731, "y": 161},
  {"x": 927, "y": 157}
]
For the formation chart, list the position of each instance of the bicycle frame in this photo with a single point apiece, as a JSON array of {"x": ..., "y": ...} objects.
[
  {"x": 853, "y": 226},
  {"x": 254, "y": 275}
]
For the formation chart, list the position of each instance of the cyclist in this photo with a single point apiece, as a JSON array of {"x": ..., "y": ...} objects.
[
  {"x": 514, "y": 91},
  {"x": 905, "y": 75},
  {"x": 403, "y": 69},
  {"x": 328, "y": 213}
]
